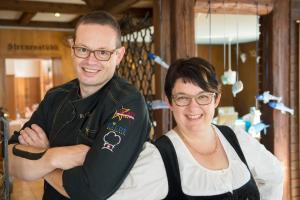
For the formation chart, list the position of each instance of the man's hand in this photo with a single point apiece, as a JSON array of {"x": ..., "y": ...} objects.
[
  {"x": 65, "y": 157},
  {"x": 34, "y": 136}
]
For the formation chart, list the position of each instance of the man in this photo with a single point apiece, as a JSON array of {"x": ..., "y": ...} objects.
[{"x": 86, "y": 134}]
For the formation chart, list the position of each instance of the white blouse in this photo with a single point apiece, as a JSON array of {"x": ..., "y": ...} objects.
[{"x": 148, "y": 180}]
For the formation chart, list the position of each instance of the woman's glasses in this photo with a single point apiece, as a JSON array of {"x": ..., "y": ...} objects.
[{"x": 203, "y": 98}]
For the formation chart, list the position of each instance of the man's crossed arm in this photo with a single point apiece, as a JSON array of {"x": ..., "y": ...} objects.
[{"x": 50, "y": 166}]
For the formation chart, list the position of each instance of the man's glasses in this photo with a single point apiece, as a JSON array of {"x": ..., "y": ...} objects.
[
  {"x": 204, "y": 98},
  {"x": 100, "y": 54}
]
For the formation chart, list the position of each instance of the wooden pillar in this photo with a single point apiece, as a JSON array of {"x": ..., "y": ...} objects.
[
  {"x": 174, "y": 38},
  {"x": 182, "y": 29},
  {"x": 295, "y": 103},
  {"x": 2, "y": 82},
  {"x": 275, "y": 77},
  {"x": 162, "y": 43}
]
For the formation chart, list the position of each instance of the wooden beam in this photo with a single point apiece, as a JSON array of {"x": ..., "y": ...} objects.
[
  {"x": 126, "y": 31},
  {"x": 38, "y": 24},
  {"x": 260, "y": 7},
  {"x": 90, "y": 3},
  {"x": 144, "y": 4},
  {"x": 26, "y": 17},
  {"x": 29, "y": 6},
  {"x": 140, "y": 12},
  {"x": 74, "y": 21},
  {"x": 94, "y": 4},
  {"x": 117, "y": 6}
]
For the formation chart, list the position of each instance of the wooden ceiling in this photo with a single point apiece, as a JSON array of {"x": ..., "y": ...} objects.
[
  {"x": 246, "y": 7},
  {"x": 40, "y": 13},
  {"x": 28, "y": 11}
]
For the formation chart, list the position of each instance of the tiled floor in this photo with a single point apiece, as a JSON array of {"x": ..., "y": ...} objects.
[{"x": 27, "y": 190}]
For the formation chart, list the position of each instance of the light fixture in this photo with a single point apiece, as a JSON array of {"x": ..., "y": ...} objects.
[{"x": 57, "y": 14}]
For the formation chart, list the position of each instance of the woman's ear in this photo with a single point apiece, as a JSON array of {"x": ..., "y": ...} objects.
[{"x": 168, "y": 102}]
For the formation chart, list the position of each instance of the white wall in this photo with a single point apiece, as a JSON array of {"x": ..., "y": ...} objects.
[{"x": 25, "y": 68}]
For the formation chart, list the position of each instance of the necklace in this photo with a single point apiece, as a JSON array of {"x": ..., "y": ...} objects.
[{"x": 182, "y": 135}]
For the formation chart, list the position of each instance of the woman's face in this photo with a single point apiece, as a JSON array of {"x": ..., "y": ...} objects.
[{"x": 193, "y": 117}]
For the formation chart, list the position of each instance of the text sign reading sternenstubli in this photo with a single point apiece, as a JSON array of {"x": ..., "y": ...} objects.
[{"x": 31, "y": 47}]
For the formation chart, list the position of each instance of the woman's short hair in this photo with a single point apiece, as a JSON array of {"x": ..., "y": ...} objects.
[
  {"x": 194, "y": 70},
  {"x": 100, "y": 18}
]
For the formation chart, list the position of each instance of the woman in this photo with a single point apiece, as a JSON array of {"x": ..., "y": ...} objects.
[{"x": 201, "y": 160}]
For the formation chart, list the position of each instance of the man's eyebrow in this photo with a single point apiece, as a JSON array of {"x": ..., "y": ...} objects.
[
  {"x": 100, "y": 48},
  {"x": 81, "y": 45}
]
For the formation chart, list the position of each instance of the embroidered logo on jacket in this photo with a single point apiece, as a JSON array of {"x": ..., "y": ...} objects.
[
  {"x": 111, "y": 140},
  {"x": 113, "y": 126},
  {"x": 123, "y": 113}
]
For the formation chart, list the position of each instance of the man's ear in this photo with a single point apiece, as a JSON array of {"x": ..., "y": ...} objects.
[
  {"x": 120, "y": 53},
  {"x": 217, "y": 100},
  {"x": 71, "y": 44}
]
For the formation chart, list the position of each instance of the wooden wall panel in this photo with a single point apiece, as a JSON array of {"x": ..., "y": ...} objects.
[
  {"x": 27, "y": 93},
  {"x": 57, "y": 68},
  {"x": 218, "y": 63},
  {"x": 247, "y": 72},
  {"x": 16, "y": 43}
]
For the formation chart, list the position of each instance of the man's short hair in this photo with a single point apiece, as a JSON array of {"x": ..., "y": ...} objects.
[{"x": 100, "y": 18}]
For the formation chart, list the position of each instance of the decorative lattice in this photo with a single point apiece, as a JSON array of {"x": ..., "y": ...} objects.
[{"x": 136, "y": 67}]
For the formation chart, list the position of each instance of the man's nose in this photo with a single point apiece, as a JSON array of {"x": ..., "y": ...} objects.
[{"x": 92, "y": 58}]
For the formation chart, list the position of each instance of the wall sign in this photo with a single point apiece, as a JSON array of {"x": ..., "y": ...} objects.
[{"x": 31, "y": 47}]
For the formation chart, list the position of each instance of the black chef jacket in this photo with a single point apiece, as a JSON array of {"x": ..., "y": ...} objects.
[{"x": 114, "y": 122}]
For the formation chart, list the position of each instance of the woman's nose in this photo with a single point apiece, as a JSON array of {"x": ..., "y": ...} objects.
[{"x": 193, "y": 103}]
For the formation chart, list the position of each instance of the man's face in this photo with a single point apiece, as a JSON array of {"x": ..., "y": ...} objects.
[{"x": 91, "y": 72}]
